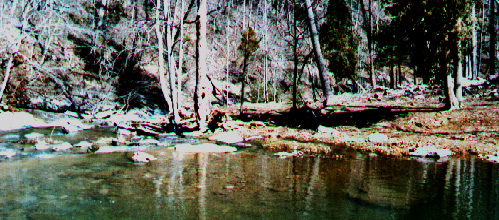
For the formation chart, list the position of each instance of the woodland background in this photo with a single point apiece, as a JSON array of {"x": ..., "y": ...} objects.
[{"x": 93, "y": 55}]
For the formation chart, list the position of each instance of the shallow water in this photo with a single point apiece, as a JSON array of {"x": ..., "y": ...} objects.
[{"x": 249, "y": 184}]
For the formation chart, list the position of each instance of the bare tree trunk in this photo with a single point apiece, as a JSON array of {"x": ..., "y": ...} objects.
[
  {"x": 451, "y": 101},
  {"x": 161, "y": 59},
  {"x": 474, "y": 47},
  {"x": 201, "y": 102},
  {"x": 314, "y": 35},
  {"x": 458, "y": 73},
  {"x": 295, "y": 56},
  {"x": 493, "y": 36},
  {"x": 180, "y": 64},
  {"x": 243, "y": 83},
  {"x": 368, "y": 29},
  {"x": 393, "y": 75}
]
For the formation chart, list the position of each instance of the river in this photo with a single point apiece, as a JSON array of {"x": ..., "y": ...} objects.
[{"x": 248, "y": 184}]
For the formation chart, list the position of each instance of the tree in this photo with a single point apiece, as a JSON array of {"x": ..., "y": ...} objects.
[
  {"x": 248, "y": 46},
  {"x": 493, "y": 38},
  {"x": 161, "y": 60},
  {"x": 321, "y": 64},
  {"x": 202, "y": 89},
  {"x": 339, "y": 41}
]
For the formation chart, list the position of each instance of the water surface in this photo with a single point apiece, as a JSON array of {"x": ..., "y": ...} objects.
[{"x": 249, "y": 184}]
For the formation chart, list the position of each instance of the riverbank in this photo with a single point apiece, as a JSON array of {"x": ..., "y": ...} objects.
[
  {"x": 378, "y": 124},
  {"x": 383, "y": 123}
]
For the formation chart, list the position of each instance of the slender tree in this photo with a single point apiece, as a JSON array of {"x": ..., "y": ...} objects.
[
  {"x": 321, "y": 64},
  {"x": 493, "y": 38},
  {"x": 248, "y": 46}
]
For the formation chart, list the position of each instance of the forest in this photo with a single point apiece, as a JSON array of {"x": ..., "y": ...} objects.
[{"x": 185, "y": 58}]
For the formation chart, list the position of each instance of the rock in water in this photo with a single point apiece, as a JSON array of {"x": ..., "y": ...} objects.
[
  {"x": 207, "y": 147},
  {"x": 377, "y": 137},
  {"x": 140, "y": 157},
  {"x": 230, "y": 137},
  {"x": 431, "y": 151}
]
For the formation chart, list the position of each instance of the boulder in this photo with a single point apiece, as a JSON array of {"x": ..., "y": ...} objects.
[
  {"x": 377, "y": 137},
  {"x": 230, "y": 137}
]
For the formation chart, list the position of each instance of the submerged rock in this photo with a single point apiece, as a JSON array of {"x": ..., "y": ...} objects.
[
  {"x": 230, "y": 137},
  {"x": 493, "y": 158},
  {"x": 207, "y": 147},
  {"x": 289, "y": 154},
  {"x": 140, "y": 157},
  {"x": 431, "y": 151}
]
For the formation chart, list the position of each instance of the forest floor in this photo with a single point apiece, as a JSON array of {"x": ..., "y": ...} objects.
[{"x": 407, "y": 122}]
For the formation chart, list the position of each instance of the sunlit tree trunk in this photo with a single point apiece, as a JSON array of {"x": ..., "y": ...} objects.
[
  {"x": 201, "y": 102},
  {"x": 367, "y": 20},
  {"x": 295, "y": 56},
  {"x": 162, "y": 79},
  {"x": 458, "y": 75},
  {"x": 474, "y": 47},
  {"x": 321, "y": 64},
  {"x": 451, "y": 101}
]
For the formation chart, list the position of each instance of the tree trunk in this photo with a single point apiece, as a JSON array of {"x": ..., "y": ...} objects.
[
  {"x": 243, "y": 83},
  {"x": 295, "y": 56},
  {"x": 201, "y": 102},
  {"x": 366, "y": 17},
  {"x": 493, "y": 39},
  {"x": 393, "y": 75},
  {"x": 314, "y": 34},
  {"x": 161, "y": 59},
  {"x": 474, "y": 47}
]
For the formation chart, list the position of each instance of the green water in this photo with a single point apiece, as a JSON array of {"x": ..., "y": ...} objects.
[{"x": 249, "y": 184}]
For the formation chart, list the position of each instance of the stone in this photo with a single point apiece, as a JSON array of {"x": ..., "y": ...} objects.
[
  {"x": 327, "y": 130},
  {"x": 206, "y": 147},
  {"x": 11, "y": 137},
  {"x": 7, "y": 153},
  {"x": 149, "y": 142},
  {"x": 42, "y": 146},
  {"x": 230, "y": 137},
  {"x": 18, "y": 120},
  {"x": 431, "y": 151},
  {"x": 64, "y": 146},
  {"x": 377, "y": 137},
  {"x": 289, "y": 154},
  {"x": 140, "y": 157},
  {"x": 33, "y": 135}
]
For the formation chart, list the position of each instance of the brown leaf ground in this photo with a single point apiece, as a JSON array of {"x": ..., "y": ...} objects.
[{"x": 407, "y": 122}]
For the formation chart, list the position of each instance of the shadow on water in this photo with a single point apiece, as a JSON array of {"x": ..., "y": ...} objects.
[{"x": 310, "y": 118}]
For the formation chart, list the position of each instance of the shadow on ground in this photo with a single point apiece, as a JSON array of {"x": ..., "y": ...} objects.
[{"x": 309, "y": 118}]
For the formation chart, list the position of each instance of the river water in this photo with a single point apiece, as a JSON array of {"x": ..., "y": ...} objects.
[{"x": 248, "y": 184}]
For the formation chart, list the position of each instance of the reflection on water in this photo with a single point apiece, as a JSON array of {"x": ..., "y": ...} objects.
[{"x": 247, "y": 185}]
